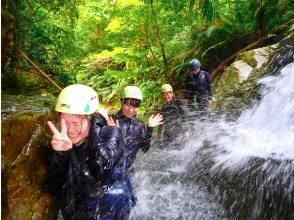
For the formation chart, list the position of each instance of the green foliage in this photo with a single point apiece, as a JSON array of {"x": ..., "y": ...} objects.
[{"x": 110, "y": 44}]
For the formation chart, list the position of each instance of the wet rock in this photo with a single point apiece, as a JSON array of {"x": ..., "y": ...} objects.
[
  {"x": 260, "y": 189},
  {"x": 237, "y": 88},
  {"x": 24, "y": 160}
]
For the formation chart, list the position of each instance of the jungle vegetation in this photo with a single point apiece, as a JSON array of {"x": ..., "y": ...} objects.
[{"x": 109, "y": 44}]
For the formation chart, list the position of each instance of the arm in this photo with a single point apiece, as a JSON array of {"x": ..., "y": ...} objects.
[
  {"x": 160, "y": 127},
  {"x": 56, "y": 172},
  {"x": 105, "y": 146},
  {"x": 153, "y": 121},
  {"x": 59, "y": 163},
  {"x": 145, "y": 145}
]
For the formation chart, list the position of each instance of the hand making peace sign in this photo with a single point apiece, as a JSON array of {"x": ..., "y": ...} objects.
[{"x": 60, "y": 140}]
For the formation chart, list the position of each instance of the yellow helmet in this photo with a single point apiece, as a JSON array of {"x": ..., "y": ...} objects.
[
  {"x": 166, "y": 88},
  {"x": 77, "y": 99},
  {"x": 132, "y": 92}
]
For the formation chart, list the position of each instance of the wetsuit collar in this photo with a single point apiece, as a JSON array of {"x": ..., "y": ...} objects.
[{"x": 122, "y": 116}]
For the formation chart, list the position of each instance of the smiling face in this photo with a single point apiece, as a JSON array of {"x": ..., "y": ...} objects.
[
  {"x": 78, "y": 127},
  {"x": 130, "y": 107},
  {"x": 167, "y": 96}
]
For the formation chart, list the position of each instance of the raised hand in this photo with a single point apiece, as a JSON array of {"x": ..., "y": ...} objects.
[
  {"x": 110, "y": 122},
  {"x": 155, "y": 120},
  {"x": 104, "y": 113},
  {"x": 60, "y": 140}
]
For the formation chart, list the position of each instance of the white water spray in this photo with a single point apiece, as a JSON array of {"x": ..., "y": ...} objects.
[
  {"x": 267, "y": 129},
  {"x": 166, "y": 181}
]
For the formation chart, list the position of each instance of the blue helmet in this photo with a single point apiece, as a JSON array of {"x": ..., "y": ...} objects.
[{"x": 194, "y": 64}]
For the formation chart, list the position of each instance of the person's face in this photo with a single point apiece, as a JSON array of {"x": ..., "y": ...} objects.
[
  {"x": 167, "y": 96},
  {"x": 78, "y": 127},
  {"x": 130, "y": 107},
  {"x": 196, "y": 71}
]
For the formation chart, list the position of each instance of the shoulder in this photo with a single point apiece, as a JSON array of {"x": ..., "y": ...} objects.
[
  {"x": 138, "y": 122},
  {"x": 207, "y": 74},
  {"x": 118, "y": 114},
  {"x": 164, "y": 106},
  {"x": 177, "y": 102},
  {"x": 98, "y": 120},
  {"x": 110, "y": 131}
]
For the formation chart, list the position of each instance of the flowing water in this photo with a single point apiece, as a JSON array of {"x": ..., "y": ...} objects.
[{"x": 249, "y": 163}]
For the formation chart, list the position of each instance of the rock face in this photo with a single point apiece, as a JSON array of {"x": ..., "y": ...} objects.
[
  {"x": 237, "y": 88},
  {"x": 23, "y": 159},
  {"x": 263, "y": 189}
]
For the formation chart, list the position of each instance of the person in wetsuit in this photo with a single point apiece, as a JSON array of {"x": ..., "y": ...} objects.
[
  {"x": 173, "y": 115},
  {"x": 86, "y": 174},
  {"x": 198, "y": 88},
  {"x": 136, "y": 135}
]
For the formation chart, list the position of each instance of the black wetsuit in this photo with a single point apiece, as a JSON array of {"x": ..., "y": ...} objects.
[
  {"x": 198, "y": 89},
  {"x": 173, "y": 116},
  {"x": 135, "y": 134},
  {"x": 86, "y": 179}
]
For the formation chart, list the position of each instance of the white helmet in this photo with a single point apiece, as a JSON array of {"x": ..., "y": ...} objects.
[
  {"x": 166, "y": 88},
  {"x": 132, "y": 92},
  {"x": 77, "y": 99}
]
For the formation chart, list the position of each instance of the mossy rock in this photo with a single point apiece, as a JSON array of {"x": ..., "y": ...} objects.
[
  {"x": 248, "y": 57},
  {"x": 24, "y": 160},
  {"x": 232, "y": 94}
]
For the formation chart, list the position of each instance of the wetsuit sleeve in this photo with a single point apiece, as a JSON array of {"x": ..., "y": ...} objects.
[
  {"x": 56, "y": 172},
  {"x": 105, "y": 144},
  {"x": 147, "y": 139},
  {"x": 160, "y": 127}
]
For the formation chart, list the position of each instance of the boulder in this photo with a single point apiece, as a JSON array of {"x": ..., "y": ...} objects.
[
  {"x": 23, "y": 159},
  {"x": 237, "y": 88}
]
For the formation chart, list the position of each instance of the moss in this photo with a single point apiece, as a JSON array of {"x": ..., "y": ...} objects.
[
  {"x": 231, "y": 95},
  {"x": 227, "y": 83},
  {"x": 248, "y": 57}
]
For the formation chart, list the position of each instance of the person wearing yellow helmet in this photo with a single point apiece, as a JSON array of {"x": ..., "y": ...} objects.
[
  {"x": 136, "y": 135},
  {"x": 173, "y": 115},
  {"x": 86, "y": 171}
]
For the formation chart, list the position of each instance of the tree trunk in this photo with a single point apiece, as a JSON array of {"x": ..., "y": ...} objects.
[
  {"x": 39, "y": 70},
  {"x": 226, "y": 62}
]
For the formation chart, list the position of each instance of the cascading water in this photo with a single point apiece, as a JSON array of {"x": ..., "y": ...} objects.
[
  {"x": 241, "y": 169},
  {"x": 267, "y": 129}
]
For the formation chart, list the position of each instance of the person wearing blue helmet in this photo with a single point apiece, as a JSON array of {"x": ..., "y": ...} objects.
[{"x": 198, "y": 89}]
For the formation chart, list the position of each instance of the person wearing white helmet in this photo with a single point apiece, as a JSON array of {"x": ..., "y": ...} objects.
[
  {"x": 173, "y": 115},
  {"x": 136, "y": 135},
  {"x": 198, "y": 86},
  {"x": 86, "y": 171}
]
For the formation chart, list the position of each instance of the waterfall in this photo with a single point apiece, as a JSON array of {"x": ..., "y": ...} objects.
[
  {"x": 241, "y": 169},
  {"x": 267, "y": 129}
]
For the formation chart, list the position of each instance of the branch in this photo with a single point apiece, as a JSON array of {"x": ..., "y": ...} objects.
[
  {"x": 38, "y": 69},
  {"x": 225, "y": 62}
]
